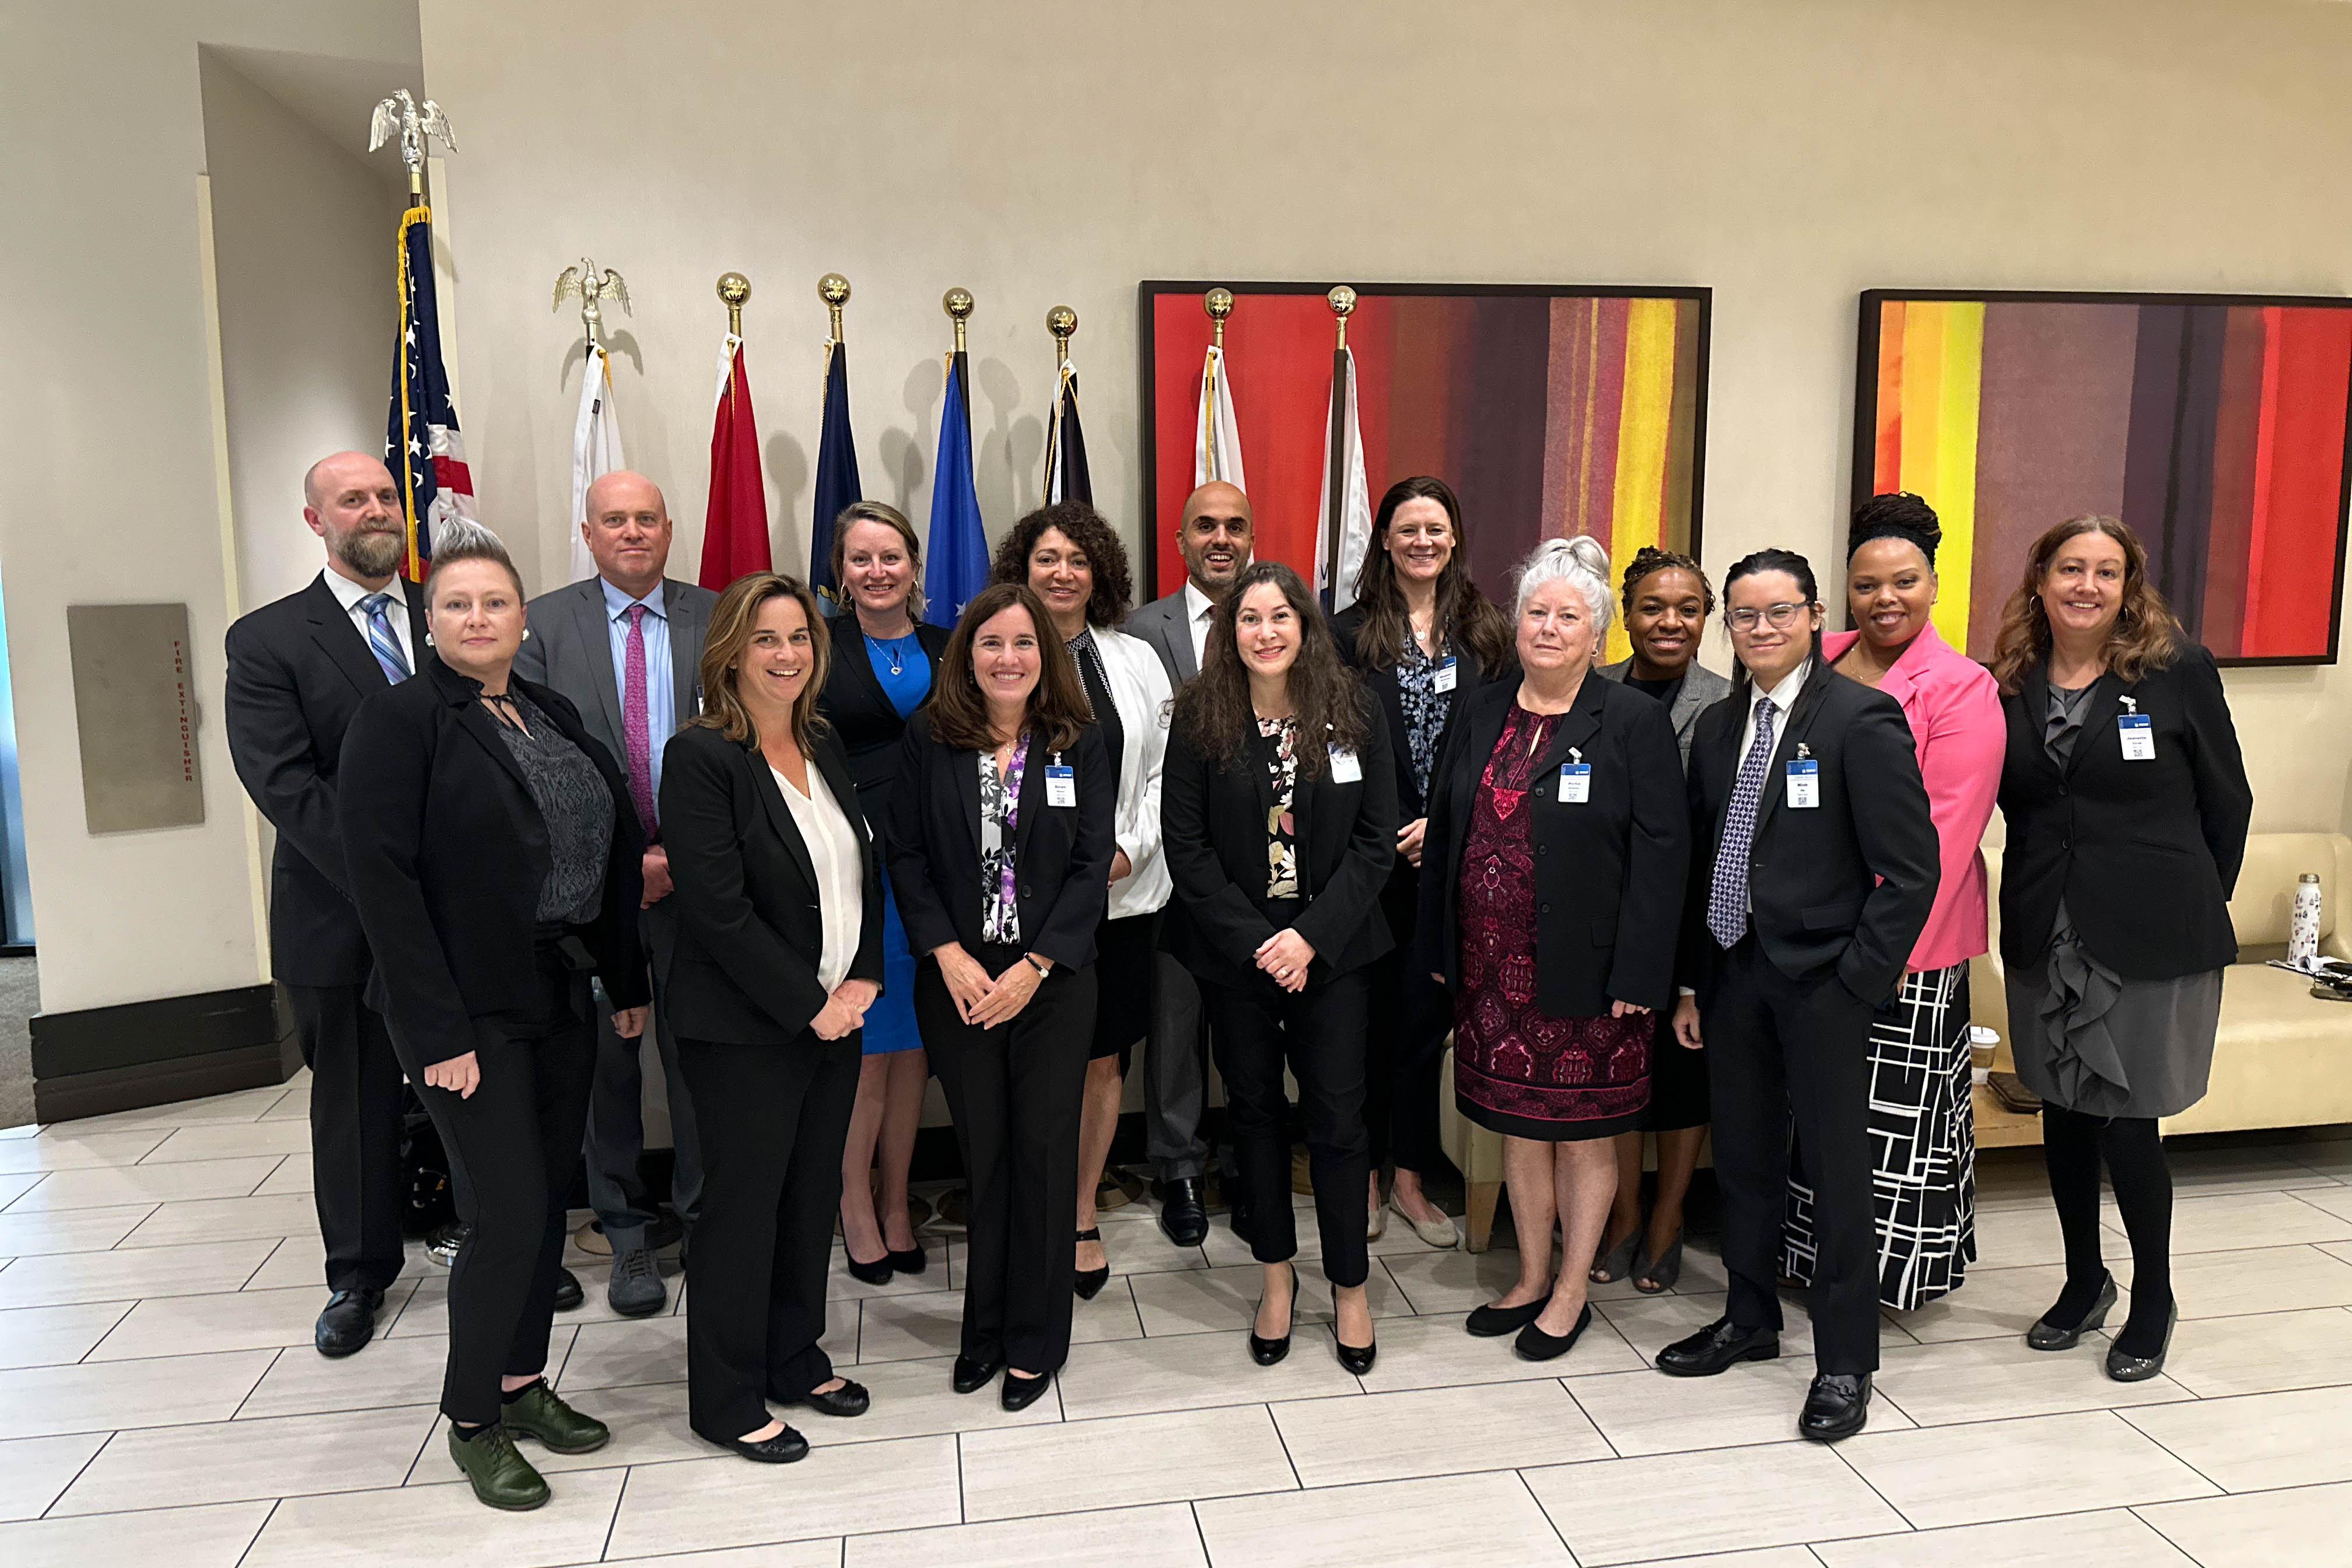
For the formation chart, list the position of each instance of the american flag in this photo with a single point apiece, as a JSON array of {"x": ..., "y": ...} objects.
[{"x": 421, "y": 444}]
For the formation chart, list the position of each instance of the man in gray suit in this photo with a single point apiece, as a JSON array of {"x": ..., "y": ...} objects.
[
  {"x": 625, "y": 647},
  {"x": 1214, "y": 538}
]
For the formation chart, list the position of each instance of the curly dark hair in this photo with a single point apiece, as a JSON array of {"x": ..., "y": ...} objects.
[
  {"x": 1087, "y": 529},
  {"x": 1897, "y": 514},
  {"x": 1649, "y": 558},
  {"x": 1214, "y": 709}
]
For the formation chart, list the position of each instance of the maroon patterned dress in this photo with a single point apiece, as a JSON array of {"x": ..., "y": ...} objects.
[{"x": 1516, "y": 1069}]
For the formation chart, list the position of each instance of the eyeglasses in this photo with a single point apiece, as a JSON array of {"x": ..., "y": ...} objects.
[{"x": 1782, "y": 616}]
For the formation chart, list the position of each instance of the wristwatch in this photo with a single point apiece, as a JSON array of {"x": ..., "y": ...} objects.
[{"x": 1043, "y": 969}]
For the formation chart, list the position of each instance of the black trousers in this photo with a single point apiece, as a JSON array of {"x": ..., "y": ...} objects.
[
  {"x": 615, "y": 1145},
  {"x": 1320, "y": 1032},
  {"x": 1786, "y": 1055},
  {"x": 356, "y": 1101},
  {"x": 514, "y": 1149},
  {"x": 1015, "y": 1092},
  {"x": 1405, "y": 1044},
  {"x": 773, "y": 1119}
]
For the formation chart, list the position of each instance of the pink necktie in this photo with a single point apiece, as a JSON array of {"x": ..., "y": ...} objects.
[{"x": 634, "y": 723}]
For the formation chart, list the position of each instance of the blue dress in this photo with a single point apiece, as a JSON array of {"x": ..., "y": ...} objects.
[{"x": 890, "y": 1022}]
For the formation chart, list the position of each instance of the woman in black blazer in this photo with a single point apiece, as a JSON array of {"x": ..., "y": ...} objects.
[
  {"x": 883, "y": 663},
  {"x": 493, "y": 872},
  {"x": 1558, "y": 845},
  {"x": 1425, "y": 639},
  {"x": 1278, "y": 819},
  {"x": 2128, "y": 803},
  {"x": 779, "y": 955},
  {"x": 1000, "y": 843}
]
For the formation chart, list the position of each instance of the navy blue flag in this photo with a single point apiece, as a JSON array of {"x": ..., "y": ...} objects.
[
  {"x": 957, "y": 546},
  {"x": 421, "y": 444},
  {"x": 1066, "y": 448},
  {"x": 836, "y": 473}
]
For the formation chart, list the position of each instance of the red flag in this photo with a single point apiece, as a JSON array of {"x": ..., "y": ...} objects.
[{"x": 735, "y": 531}]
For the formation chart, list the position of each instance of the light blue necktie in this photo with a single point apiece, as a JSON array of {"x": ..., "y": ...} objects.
[{"x": 381, "y": 642}]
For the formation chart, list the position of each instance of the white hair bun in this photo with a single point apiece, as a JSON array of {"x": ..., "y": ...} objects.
[{"x": 1589, "y": 553}]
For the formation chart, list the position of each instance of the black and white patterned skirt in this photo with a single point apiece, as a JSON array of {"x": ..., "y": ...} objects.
[{"x": 1923, "y": 1130}]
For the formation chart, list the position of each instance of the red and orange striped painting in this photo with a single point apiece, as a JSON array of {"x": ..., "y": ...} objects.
[
  {"x": 1549, "y": 411},
  {"x": 2215, "y": 426}
]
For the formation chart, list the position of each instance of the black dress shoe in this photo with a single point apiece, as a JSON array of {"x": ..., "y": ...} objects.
[
  {"x": 2125, "y": 1367},
  {"x": 914, "y": 1260},
  {"x": 1537, "y": 1345},
  {"x": 849, "y": 1399},
  {"x": 877, "y": 1272},
  {"x": 1836, "y": 1406},
  {"x": 1721, "y": 1344},
  {"x": 349, "y": 1321},
  {"x": 971, "y": 1377},
  {"x": 1491, "y": 1322},
  {"x": 2045, "y": 1335},
  {"x": 1357, "y": 1358},
  {"x": 1266, "y": 1352},
  {"x": 781, "y": 1449},
  {"x": 1021, "y": 1393},
  {"x": 568, "y": 1293},
  {"x": 1183, "y": 1212},
  {"x": 1088, "y": 1282}
]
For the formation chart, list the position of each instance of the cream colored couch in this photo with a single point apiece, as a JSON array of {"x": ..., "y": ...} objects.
[{"x": 2283, "y": 1058}]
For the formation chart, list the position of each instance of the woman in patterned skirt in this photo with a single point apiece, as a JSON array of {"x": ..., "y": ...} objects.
[
  {"x": 1921, "y": 1121},
  {"x": 1558, "y": 844}
]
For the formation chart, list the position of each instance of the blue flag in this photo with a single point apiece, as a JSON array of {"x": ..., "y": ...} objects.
[
  {"x": 837, "y": 474},
  {"x": 421, "y": 444},
  {"x": 958, "y": 547}
]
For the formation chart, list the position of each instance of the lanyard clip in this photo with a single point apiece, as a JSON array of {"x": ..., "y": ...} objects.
[
  {"x": 2129, "y": 705},
  {"x": 1576, "y": 755},
  {"x": 1803, "y": 751}
]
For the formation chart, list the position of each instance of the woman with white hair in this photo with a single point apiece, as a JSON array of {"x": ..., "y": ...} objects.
[{"x": 1554, "y": 865}]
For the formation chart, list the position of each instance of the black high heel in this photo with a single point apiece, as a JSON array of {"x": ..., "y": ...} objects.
[
  {"x": 914, "y": 1260},
  {"x": 1266, "y": 1352},
  {"x": 1088, "y": 1282},
  {"x": 2126, "y": 1368},
  {"x": 1356, "y": 1359},
  {"x": 877, "y": 1272}
]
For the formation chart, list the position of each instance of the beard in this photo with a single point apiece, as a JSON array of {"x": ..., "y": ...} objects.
[{"x": 371, "y": 552}]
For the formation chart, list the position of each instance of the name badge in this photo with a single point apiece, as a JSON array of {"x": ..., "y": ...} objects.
[
  {"x": 1061, "y": 785},
  {"x": 1804, "y": 781},
  {"x": 1575, "y": 779},
  {"x": 2139, "y": 735},
  {"x": 1445, "y": 677},
  {"x": 1345, "y": 768}
]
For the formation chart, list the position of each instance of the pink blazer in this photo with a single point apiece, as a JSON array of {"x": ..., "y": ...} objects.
[{"x": 1954, "y": 710}]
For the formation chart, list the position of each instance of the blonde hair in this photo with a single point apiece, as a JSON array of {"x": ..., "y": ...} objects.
[{"x": 2145, "y": 636}]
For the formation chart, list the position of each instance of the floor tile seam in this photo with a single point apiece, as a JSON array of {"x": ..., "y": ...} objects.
[
  {"x": 1153, "y": 1502},
  {"x": 1837, "y": 1453},
  {"x": 308, "y": 1491},
  {"x": 620, "y": 1495},
  {"x": 1567, "y": 1387},
  {"x": 1558, "y": 1534},
  {"x": 1200, "y": 1532},
  {"x": 129, "y": 1307},
  {"x": 39, "y": 1177},
  {"x": 258, "y": 1531},
  {"x": 80, "y": 1471},
  {"x": 964, "y": 1502}
]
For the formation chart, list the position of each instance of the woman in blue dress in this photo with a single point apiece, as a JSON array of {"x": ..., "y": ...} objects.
[{"x": 882, "y": 670}]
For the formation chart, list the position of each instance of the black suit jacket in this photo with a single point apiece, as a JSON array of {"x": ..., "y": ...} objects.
[
  {"x": 1213, "y": 824},
  {"x": 1346, "y": 627},
  {"x": 749, "y": 931},
  {"x": 869, "y": 728},
  {"x": 1845, "y": 886},
  {"x": 297, "y": 670},
  {"x": 2145, "y": 855},
  {"x": 1062, "y": 854},
  {"x": 1610, "y": 873},
  {"x": 447, "y": 853}
]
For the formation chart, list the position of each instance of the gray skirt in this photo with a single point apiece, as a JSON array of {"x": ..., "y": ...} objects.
[{"x": 2088, "y": 1040}]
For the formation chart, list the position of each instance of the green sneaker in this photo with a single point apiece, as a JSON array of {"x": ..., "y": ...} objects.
[
  {"x": 502, "y": 1477},
  {"x": 538, "y": 1413}
]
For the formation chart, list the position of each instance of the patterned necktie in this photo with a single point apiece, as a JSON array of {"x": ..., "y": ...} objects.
[
  {"x": 1727, "y": 897},
  {"x": 634, "y": 725},
  {"x": 382, "y": 641}
]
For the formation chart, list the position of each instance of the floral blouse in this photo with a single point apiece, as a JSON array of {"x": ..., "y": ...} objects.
[
  {"x": 1000, "y": 815},
  {"x": 1425, "y": 707},
  {"x": 1281, "y": 827}
]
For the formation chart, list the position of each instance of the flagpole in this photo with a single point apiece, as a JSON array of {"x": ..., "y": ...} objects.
[
  {"x": 733, "y": 289},
  {"x": 1342, "y": 300},
  {"x": 958, "y": 303},
  {"x": 837, "y": 484},
  {"x": 1063, "y": 323},
  {"x": 834, "y": 289}
]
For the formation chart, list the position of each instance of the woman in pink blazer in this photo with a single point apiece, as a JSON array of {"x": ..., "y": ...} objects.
[{"x": 1921, "y": 1121}]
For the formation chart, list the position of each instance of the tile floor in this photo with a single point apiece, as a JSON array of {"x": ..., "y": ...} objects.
[{"x": 158, "y": 1398}]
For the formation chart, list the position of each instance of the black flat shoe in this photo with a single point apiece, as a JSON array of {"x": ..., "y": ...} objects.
[
  {"x": 568, "y": 1293},
  {"x": 914, "y": 1260},
  {"x": 849, "y": 1399},
  {"x": 1492, "y": 1322},
  {"x": 1837, "y": 1405},
  {"x": 1722, "y": 1343},
  {"x": 348, "y": 1323},
  {"x": 1088, "y": 1282},
  {"x": 783, "y": 1448},
  {"x": 2126, "y": 1368},
  {"x": 2047, "y": 1335},
  {"x": 1266, "y": 1352},
  {"x": 1021, "y": 1393},
  {"x": 1537, "y": 1345},
  {"x": 877, "y": 1272},
  {"x": 1183, "y": 1212},
  {"x": 1357, "y": 1358},
  {"x": 971, "y": 1377}
]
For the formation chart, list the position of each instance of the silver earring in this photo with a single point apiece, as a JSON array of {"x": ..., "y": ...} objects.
[
  {"x": 526, "y": 634},
  {"x": 428, "y": 640}
]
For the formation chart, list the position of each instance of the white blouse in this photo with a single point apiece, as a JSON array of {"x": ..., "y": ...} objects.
[{"x": 840, "y": 871}]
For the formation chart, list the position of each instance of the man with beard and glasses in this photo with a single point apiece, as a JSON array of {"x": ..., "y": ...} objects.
[{"x": 298, "y": 670}]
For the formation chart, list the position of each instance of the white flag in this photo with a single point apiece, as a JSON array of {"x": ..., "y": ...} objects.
[
  {"x": 596, "y": 450},
  {"x": 1353, "y": 510},
  {"x": 1217, "y": 438}
]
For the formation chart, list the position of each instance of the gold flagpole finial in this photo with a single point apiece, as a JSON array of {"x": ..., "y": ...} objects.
[
  {"x": 1218, "y": 303},
  {"x": 417, "y": 126},
  {"x": 834, "y": 289},
  {"x": 1342, "y": 300},
  {"x": 734, "y": 288},
  {"x": 957, "y": 303},
  {"x": 592, "y": 286},
  {"x": 1063, "y": 323}
]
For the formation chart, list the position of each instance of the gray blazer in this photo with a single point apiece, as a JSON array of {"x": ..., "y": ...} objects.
[
  {"x": 570, "y": 649},
  {"x": 1701, "y": 688},
  {"x": 1166, "y": 629}
]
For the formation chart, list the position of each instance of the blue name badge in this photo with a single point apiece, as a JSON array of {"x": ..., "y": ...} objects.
[
  {"x": 1575, "y": 782},
  {"x": 1804, "y": 784},
  {"x": 2138, "y": 737},
  {"x": 1061, "y": 785}
]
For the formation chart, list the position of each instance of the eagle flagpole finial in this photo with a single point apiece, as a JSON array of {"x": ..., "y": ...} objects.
[
  {"x": 401, "y": 116},
  {"x": 591, "y": 286}
]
